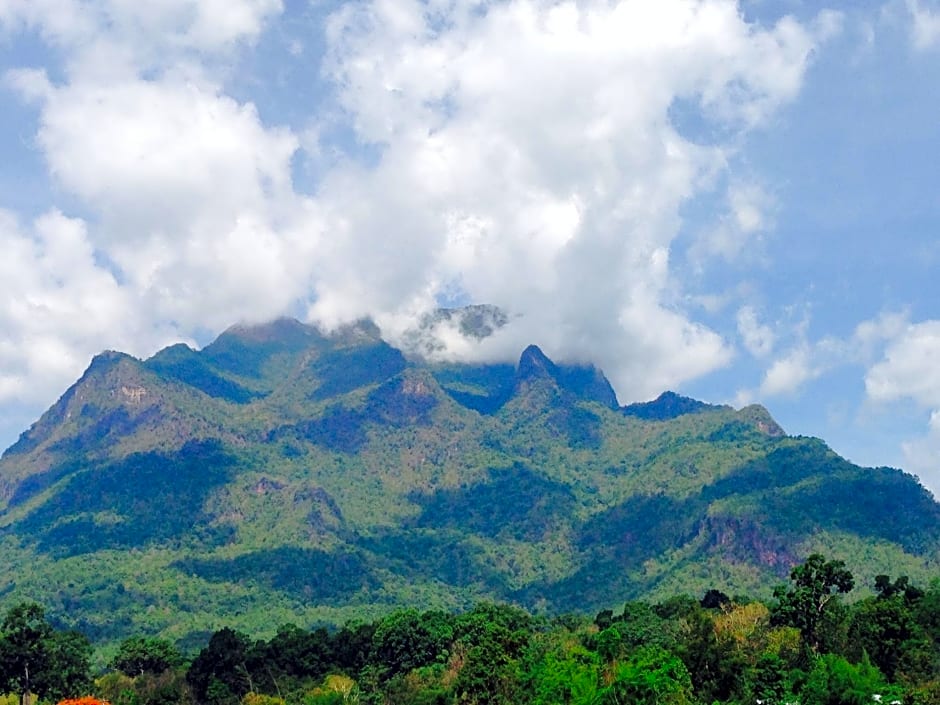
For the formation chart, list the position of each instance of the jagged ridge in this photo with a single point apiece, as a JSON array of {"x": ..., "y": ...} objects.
[{"x": 281, "y": 474}]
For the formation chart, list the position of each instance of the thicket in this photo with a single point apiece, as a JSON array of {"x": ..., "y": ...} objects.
[{"x": 808, "y": 646}]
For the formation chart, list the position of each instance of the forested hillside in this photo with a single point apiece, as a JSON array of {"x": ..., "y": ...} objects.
[{"x": 281, "y": 474}]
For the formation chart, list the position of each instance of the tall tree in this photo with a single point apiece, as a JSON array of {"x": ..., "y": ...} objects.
[
  {"x": 884, "y": 626},
  {"x": 810, "y": 603},
  {"x": 35, "y": 659},
  {"x": 68, "y": 663},
  {"x": 23, "y": 648},
  {"x": 219, "y": 675}
]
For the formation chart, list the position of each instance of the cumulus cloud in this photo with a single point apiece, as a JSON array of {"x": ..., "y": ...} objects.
[
  {"x": 193, "y": 222},
  {"x": 870, "y": 337},
  {"x": 805, "y": 360},
  {"x": 910, "y": 368},
  {"x": 909, "y": 371},
  {"x": 153, "y": 154},
  {"x": 520, "y": 153},
  {"x": 56, "y": 306},
  {"x": 528, "y": 159},
  {"x": 789, "y": 372},
  {"x": 191, "y": 192}
]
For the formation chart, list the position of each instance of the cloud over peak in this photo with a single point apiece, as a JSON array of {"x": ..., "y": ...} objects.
[
  {"x": 520, "y": 153},
  {"x": 529, "y": 158}
]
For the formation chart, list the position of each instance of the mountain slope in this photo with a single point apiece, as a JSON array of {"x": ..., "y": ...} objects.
[{"x": 281, "y": 474}]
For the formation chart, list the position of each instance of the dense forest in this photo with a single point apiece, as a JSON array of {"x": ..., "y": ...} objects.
[
  {"x": 810, "y": 645},
  {"x": 321, "y": 478}
]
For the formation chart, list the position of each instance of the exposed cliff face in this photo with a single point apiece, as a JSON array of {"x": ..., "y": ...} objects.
[
  {"x": 291, "y": 475},
  {"x": 745, "y": 541}
]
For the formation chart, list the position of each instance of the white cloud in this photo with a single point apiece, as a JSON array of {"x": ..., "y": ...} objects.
[
  {"x": 925, "y": 28},
  {"x": 922, "y": 455},
  {"x": 208, "y": 25},
  {"x": 788, "y": 373},
  {"x": 528, "y": 158},
  {"x": 758, "y": 338},
  {"x": 162, "y": 153},
  {"x": 870, "y": 336},
  {"x": 807, "y": 360},
  {"x": 910, "y": 368},
  {"x": 747, "y": 217},
  {"x": 909, "y": 374},
  {"x": 524, "y": 155},
  {"x": 193, "y": 195},
  {"x": 56, "y": 305}
]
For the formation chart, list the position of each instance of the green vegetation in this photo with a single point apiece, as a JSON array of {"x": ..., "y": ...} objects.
[
  {"x": 680, "y": 651},
  {"x": 35, "y": 658},
  {"x": 284, "y": 475}
]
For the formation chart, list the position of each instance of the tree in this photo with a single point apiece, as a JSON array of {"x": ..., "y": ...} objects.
[
  {"x": 884, "y": 626},
  {"x": 714, "y": 599},
  {"x": 292, "y": 660},
  {"x": 565, "y": 673},
  {"x": 219, "y": 675},
  {"x": 640, "y": 625},
  {"x": 767, "y": 680},
  {"x": 712, "y": 649},
  {"x": 494, "y": 637},
  {"x": 69, "y": 660},
  {"x": 899, "y": 588},
  {"x": 811, "y": 603},
  {"x": 35, "y": 659},
  {"x": 138, "y": 655},
  {"x": 352, "y": 645},
  {"x": 23, "y": 648},
  {"x": 608, "y": 644},
  {"x": 406, "y": 640}
]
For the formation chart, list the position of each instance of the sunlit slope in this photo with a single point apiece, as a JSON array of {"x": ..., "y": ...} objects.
[{"x": 281, "y": 474}]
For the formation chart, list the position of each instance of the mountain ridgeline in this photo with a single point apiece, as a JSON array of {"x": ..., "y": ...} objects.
[{"x": 283, "y": 475}]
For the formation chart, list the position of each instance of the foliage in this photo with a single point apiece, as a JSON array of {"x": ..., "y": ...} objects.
[
  {"x": 811, "y": 603},
  {"x": 219, "y": 675},
  {"x": 879, "y": 627},
  {"x": 835, "y": 681},
  {"x": 35, "y": 658},
  {"x": 651, "y": 676},
  {"x": 672, "y": 652},
  {"x": 286, "y": 475},
  {"x": 139, "y": 655},
  {"x": 566, "y": 673}
]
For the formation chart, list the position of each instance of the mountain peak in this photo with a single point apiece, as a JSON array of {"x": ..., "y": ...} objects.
[
  {"x": 358, "y": 332},
  {"x": 284, "y": 328},
  {"x": 759, "y": 417},
  {"x": 577, "y": 382},
  {"x": 106, "y": 360},
  {"x": 533, "y": 363},
  {"x": 668, "y": 405}
]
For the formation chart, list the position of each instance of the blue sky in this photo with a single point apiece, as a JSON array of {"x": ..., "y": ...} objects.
[{"x": 735, "y": 200}]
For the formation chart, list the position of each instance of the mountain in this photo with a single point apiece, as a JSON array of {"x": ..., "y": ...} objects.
[{"x": 284, "y": 475}]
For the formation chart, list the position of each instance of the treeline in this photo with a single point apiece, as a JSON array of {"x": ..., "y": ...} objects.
[{"x": 808, "y": 646}]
